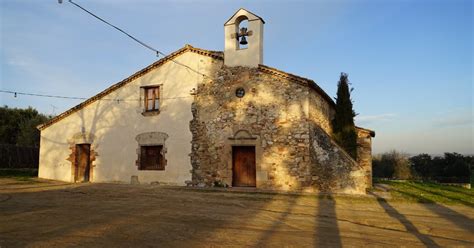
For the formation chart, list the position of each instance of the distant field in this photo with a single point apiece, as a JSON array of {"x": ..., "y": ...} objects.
[{"x": 429, "y": 193}]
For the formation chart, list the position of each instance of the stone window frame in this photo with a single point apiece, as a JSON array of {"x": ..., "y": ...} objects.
[
  {"x": 243, "y": 137},
  {"x": 143, "y": 99},
  {"x": 151, "y": 139}
]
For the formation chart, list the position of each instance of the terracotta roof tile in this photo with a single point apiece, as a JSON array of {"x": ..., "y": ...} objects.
[{"x": 371, "y": 132}]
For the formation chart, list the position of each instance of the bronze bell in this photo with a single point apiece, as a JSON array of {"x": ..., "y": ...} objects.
[{"x": 243, "y": 41}]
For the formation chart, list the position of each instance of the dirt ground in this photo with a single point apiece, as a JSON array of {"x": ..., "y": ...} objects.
[{"x": 53, "y": 214}]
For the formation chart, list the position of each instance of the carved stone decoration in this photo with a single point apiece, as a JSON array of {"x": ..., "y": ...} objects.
[
  {"x": 242, "y": 134},
  {"x": 151, "y": 138}
]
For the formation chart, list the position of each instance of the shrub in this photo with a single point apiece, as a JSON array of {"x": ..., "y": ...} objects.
[
  {"x": 344, "y": 132},
  {"x": 392, "y": 165},
  {"x": 452, "y": 167},
  {"x": 421, "y": 164}
]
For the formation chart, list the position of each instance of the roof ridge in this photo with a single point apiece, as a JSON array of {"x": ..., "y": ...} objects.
[
  {"x": 302, "y": 80},
  {"x": 171, "y": 56},
  {"x": 371, "y": 132},
  {"x": 187, "y": 47},
  {"x": 245, "y": 10}
]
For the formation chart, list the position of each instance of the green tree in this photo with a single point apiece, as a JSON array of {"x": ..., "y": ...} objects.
[
  {"x": 381, "y": 167},
  {"x": 456, "y": 166},
  {"x": 422, "y": 164},
  {"x": 18, "y": 126},
  {"x": 344, "y": 131},
  {"x": 392, "y": 164}
]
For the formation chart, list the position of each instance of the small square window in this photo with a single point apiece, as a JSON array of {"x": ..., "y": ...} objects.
[
  {"x": 151, "y": 158},
  {"x": 152, "y": 99}
]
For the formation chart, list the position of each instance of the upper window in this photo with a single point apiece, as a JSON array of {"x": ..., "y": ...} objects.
[
  {"x": 152, "y": 98},
  {"x": 151, "y": 158}
]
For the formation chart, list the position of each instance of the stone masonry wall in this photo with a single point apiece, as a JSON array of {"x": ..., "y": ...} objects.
[
  {"x": 364, "y": 154},
  {"x": 320, "y": 111},
  {"x": 287, "y": 122},
  {"x": 272, "y": 113},
  {"x": 333, "y": 170}
]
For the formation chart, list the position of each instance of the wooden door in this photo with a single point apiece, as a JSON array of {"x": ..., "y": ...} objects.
[
  {"x": 82, "y": 168},
  {"x": 243, "y": 166}
]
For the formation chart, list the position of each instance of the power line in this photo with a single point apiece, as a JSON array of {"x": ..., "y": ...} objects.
[
  {"x": 119, "y": 29},
  {"x": 134, "y": 38},
  {"x": 16, "y": 93}
]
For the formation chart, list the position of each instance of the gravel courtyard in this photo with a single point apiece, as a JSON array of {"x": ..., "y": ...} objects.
[{"x": 39, "y": 213}]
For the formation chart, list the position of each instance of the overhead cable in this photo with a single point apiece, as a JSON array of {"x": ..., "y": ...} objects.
[
  {"x": 157, "y": 52},
  {"x": 16, "y": 93}
]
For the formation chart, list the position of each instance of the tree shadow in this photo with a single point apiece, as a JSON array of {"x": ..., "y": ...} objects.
[
  {"x": 434, "y": 192},
  {"x": 458, "y": 190},
  {"x": 112, "y": 121},
  {"x": 326, "y": 223},
  {"x": 392, "y": 212},
  {"x": 454, "y": 217},
  {"x": 270, "y": 232},
  {"x": 124, "y": 215}
]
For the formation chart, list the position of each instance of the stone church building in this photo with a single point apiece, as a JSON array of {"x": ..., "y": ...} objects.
[{"x": 208, "y": 118}]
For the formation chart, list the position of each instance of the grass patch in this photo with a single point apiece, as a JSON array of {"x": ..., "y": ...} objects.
[{"x": 430, "y": 193}]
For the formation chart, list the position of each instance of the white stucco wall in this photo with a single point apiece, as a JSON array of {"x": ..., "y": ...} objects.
[
  {"x": 114, "y": 127},
  {"x": 251, "y": 56}
]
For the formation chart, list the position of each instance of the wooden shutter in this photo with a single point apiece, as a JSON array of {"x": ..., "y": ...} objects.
[{"x": 152, "y": 158}]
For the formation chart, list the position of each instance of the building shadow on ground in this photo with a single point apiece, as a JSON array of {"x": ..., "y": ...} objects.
[{"x": 409, "y": 226}]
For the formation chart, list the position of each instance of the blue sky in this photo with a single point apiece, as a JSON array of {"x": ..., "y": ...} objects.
[{"x": 410, "y": 62}]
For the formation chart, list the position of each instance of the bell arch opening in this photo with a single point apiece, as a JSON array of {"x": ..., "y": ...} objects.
[{"x": 242, "y": 24}]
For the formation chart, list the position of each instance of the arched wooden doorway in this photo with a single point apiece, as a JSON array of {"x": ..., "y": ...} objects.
[{"x": 82, "y": 165}]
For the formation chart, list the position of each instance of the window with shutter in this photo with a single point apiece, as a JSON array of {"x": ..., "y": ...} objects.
[
  {"x": 152, "y": 99},
  {"x": 151, "y": 158}
]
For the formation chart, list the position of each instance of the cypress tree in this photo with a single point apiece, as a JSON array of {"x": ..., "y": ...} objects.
[{"x": 344, "y": 131}]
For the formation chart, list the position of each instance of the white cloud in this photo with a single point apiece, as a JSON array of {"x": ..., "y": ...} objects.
[
  {"x": 457, "y": 120},
  {"x": 21, "y": 62},
  {"x": 39, "y": 72},
  {"x": 370, "y": 119}
]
